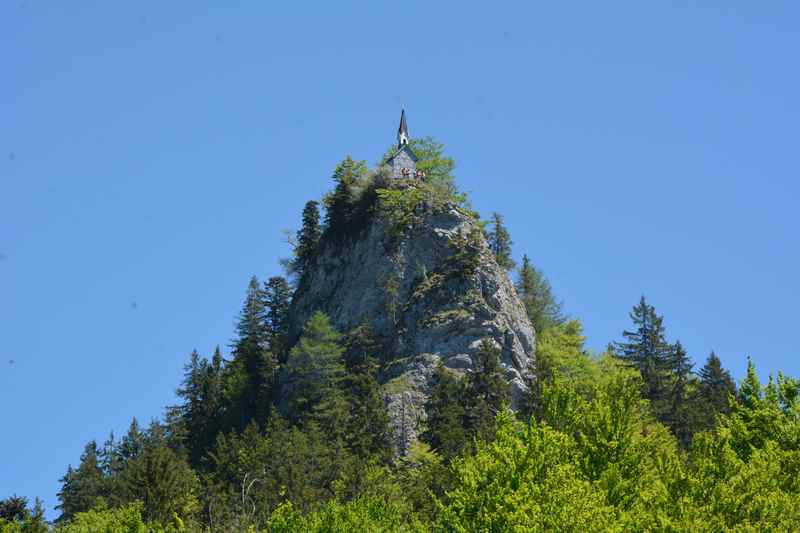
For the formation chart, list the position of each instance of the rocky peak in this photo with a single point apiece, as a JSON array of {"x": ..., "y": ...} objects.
[{"x": 421, "y": 275}]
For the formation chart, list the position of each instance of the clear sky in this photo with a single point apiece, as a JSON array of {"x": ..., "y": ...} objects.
[{"x": 152, "y": 153}]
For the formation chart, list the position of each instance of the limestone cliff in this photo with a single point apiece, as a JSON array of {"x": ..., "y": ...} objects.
[{"x": 430, "y": 288}]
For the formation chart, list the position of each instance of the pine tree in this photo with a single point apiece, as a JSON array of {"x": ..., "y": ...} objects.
[
  {"x": 486, "y": 392},
  {"x": 537, "y": 296},
  {"x": 307, "y": 239},
  {"x": 277, "y": 298},
  {"x": 647, "y": 350},
  {"x": 83, "y": 488},
  {"x": 713, "y": 393},
  {"x": 445, "y": 415},
  {"x": 500, "y": 242}
]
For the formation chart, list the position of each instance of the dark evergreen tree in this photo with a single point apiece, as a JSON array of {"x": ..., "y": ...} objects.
[
  {"x": 500, "y": 242},
  {"x": 199, "y": 414},
  {"x": 14, "y": 509},
  {"x": 83, "y": 488},
  {"x": 252, "y": 374},
  {"x": 132, "y": 444},
  {"x": 486, "y": 393},
  {"x": 277, "y": 298},
  {"x": 445, "y": 415},
  {"x": 340, "y": 205},
  {"x": 369, "y": 435},
  {"x": 537, "y": 296},
  {"x": 647, "y": 350},
  {"x": 714, "y": 392},
  {"x": 678, "y": 416},
  {"x": 307, "y": 239}
]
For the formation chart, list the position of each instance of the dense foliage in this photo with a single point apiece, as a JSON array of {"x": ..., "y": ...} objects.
[{"x": 293, "y": 434}]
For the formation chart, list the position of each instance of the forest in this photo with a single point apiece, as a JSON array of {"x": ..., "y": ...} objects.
[{"x": 291, "y": 432}]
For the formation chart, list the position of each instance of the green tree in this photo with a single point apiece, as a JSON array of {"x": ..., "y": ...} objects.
[
  {"x": 308, "y": 238},
  {"x": 85, "y": 487},
  {"x": 201, "y": 409},
  {"x": 713, "y": 393},
  {"x": 163, "y": 482},
  {"x": 486, "y": 392},
  {"x": 132, "y": 444},
  {"x": 315, "y": 370},
  {"x": 444, "y": 430},
  {"x": 500, "y": 242},
  {"x": 537, "y": 296},
  {"x": 369, "y": 435},
  {"x": 341, "y": 204},
  {"x": 560, "y": 353},
  {"x": 678, "y": 416},
  {"x": 647, "y": 350},
  {"x": 277, "y": 298},
  {"x": 251, "y": 375},
  {"x": 17, "y": 517}
]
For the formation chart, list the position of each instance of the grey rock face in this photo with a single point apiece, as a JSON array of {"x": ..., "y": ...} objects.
[{"x": 432, "y": 292}]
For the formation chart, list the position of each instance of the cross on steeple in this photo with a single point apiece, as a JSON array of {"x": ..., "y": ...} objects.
[{"x": 402, "y": 131}]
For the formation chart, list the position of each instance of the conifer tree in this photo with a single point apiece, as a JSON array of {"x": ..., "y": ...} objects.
[
  {"x": 340, "y": 205},
  {"x": 315, "y": 371},
  {"x": 277, "y": 298},
  {"x": 500, "y": 242},
  {"x": 368, "y": 432},
  {"x": 486, "y": 392},
  {"x": 307, "y": 239},
  {"x": 444, "y": 430},
  {"x": 537, "y": 296},
  {"x": 647, "y": 350},
  {"x": 713, "y": 394},
  {"x": 679, "y": 414},
  {"x": 83, "y": 488},
  {"x": 14, "y": 508},
  {"x": 132, "y": 444},
  {"x": 163, "y": 482},
  {"x": 254, "y": 365}
]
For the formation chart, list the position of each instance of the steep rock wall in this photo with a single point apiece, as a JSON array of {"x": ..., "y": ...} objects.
[{"x": 432, "y": 291}]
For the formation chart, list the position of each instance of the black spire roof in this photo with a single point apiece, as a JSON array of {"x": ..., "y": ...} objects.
[{"x": 403, "y": 129}]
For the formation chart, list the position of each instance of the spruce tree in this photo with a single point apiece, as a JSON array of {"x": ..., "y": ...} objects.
[
  {"x": 83, "y": 488},
  {"x": 537, "y": 296},
  {"x": 713, "y": 393},
  {"x": 500, "y": 242},
  {"x": 678, "y": 416},
  {"x": 486, "y": 392},
  {"x": 647, "y": 350},
  {"x": 340, "y": 205},
  {"x": 369, "y": 435},
  {"x": 132, "y": 444},
  {"x": 277, "y": 298},
  {"x": 444, "y": 430},
  {"x": 254, "y": 365},
  {"x": 307, "y": 239}
]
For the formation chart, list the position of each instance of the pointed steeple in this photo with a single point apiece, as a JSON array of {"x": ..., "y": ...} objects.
[{"x": 402, "y": 131}]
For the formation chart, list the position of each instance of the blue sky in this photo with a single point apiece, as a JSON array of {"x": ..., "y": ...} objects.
[{"x": 152, "y": 153}]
